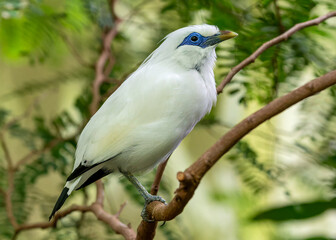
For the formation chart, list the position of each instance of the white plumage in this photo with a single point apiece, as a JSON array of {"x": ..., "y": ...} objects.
[{"x": 147, "y": 117}]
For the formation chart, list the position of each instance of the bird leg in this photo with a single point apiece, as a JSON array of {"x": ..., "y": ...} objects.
[{"x": 146, "y": 195}]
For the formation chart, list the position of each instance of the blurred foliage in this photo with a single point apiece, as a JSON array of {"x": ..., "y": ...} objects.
[
  {"x": 297, "y": 211},
  {"x": 46, "y": 32}
]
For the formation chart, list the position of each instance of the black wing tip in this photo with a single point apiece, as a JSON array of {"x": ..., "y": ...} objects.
[
  {"x": 94, "y": 177},
  {"x": 60, "y": 201},
  {"x": 78, "y": 171}
]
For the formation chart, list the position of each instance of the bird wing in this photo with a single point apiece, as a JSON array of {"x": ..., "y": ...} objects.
[
  {"x": 109, "y": 131},
  {"x": 104, "y": 136},
  {"x": 143, "y": 111}
]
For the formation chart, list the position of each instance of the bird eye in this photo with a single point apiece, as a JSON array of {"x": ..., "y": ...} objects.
[{"x": 194, "y": 38}]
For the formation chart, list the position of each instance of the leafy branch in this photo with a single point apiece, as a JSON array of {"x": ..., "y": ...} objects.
[
  {"x": 266, "y": 45},
  {"x": 191, "y": 177},
  {"x": 103, "y": 68}
]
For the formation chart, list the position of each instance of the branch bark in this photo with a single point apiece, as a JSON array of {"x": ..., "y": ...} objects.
[
  {"x": 191, "y": 177},
  {"x": 146, "y": 230},
  {"x": 105, "y": 58},
  {"x": 97, "y": 209}
]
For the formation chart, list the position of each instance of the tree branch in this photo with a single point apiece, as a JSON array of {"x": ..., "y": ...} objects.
[
  {"x": 105, "y": 58},
  {"x": 146, "y": 230},
  {"x": 5, "y": 149},
  {"x": 188, "y": 180},
  {"x": 96, "y": 208},
  {"x": 191, "y": 177},
  {"x": 10, "y": 182},
  {"x": 158, "y": 176},
  {"x": 103, "y": 68},
  {"x": 269, "y": 44}
]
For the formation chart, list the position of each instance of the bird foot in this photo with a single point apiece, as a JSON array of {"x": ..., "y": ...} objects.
[{"x": 148, "y": 200}]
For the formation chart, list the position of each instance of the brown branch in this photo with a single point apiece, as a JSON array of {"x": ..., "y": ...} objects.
[
  {"x": 5, "y": 149},
  {"x": 122, "y": 206},
  {"x": 104, "y": 59},
  {"x": 146, "y": 230},
  {"x": 158, "y": 177},
  {"x": 191, "y": 177},
  {"x": 188, "y": 179},
  {"x": 269, "y": 44},
  {"x": 126, "y": 231},
  {"x": 10, "y": 180},
  {"x": 100, "y": 193},
  {"x": 59, "y": 215},
  {"x": 103, "y": 67},
  {"x": 96, "y": 208},
  {"x": 8, "y": 199},
  {"x": 112, "y": 4}
]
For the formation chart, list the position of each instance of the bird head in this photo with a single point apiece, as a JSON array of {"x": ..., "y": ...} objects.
[{"x": 191, "y": 47}]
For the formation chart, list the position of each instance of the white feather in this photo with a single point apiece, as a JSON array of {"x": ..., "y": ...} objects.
[
  {"x": 147, "y": 117},
  {"x": 154, "y": 109}
]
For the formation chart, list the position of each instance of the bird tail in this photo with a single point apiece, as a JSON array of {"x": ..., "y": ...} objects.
[{"x": 68, "y": 188}]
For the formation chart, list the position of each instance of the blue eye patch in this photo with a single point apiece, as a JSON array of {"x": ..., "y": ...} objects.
[{"x": 196, "y": 39}]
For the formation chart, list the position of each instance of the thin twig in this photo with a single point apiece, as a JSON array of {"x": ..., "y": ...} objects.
[
  {"x": 122, "y": 206},
  {"x": 96, "y": 208},
  {"x": 10, "y": 180},
  {"x": 73, "y": 49},
  {"x": 8, "y": 199},
  {"x": 5, "y": 149},
  {"x": 146, "y": 230},
  {"x": 158, "y": 177},
  {"x": 269, "y": 44},
  {"x": 105, "y": 58}
]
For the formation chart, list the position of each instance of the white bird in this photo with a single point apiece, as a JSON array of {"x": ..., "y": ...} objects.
[{"x": 146, "y": 118}]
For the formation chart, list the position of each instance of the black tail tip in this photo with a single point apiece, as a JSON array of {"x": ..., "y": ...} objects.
[{"x": 60, "y": 201}]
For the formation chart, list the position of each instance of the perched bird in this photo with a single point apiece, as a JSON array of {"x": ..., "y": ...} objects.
[{"x": 146, "y": 118}]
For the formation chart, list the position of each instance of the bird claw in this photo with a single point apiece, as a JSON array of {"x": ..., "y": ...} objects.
[{"x": 151, "y": 198}]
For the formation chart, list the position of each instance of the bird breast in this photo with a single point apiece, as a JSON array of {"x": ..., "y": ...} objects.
[{"x": 146, "y": 118}]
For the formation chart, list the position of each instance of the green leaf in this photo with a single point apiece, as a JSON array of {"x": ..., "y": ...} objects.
[{"x": 296, "y": 211}]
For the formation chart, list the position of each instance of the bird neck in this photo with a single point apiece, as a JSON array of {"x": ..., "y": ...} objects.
[{"x": 206, "y": 71}]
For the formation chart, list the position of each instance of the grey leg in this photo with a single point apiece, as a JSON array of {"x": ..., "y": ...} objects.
[{"x": 146, "y": 195}]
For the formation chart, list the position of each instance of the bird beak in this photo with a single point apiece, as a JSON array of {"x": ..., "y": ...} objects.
[
  {"x": 225, "y": 35},
  {"x": 217, "y": 38}
]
